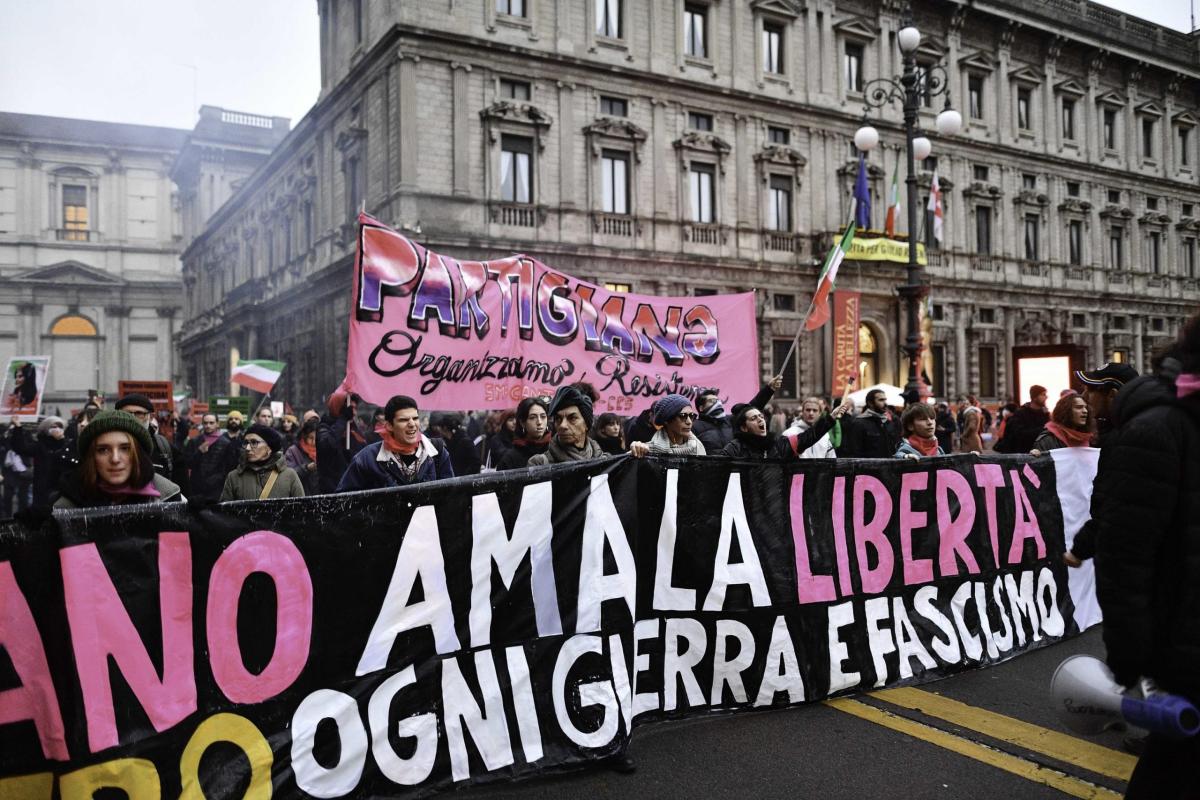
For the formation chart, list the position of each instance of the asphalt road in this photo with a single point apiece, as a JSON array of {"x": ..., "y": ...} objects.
[{"x": 950, "y": 744}]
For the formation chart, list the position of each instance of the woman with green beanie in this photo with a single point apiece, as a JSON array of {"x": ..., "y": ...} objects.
[{"x": 115, "y": 466}]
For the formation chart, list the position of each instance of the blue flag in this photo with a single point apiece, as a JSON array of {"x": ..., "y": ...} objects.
[{"x": 862, "y": 196}]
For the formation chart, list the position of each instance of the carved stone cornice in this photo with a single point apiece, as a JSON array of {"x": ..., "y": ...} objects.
[
  {"x": 1116, "y": 212},
  {"x": 167, "y": 312},
  {"x": 1075, "y": 205},
  {"x": 782, "y": 155},
  {"x": 1154, "y": 218},
  {"x": 511, "y": 112},
  {"x": 851, "y": 168},
  {"x": 29, "y": 308},
  {"x": 704, "y": 142},
  {"x": 116, "y": 311},
  {"x": 350, "y": 138},
  {"x": 1188, "y": 224},
  {"x": 925, "y": 181},
  {"x": 982, "y": 191},
  {"x": 1029, "y": 197},
  {"x": 620, "y": 129}
]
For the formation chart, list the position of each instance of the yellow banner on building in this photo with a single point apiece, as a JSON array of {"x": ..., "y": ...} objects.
[{"x": 882, "y": 250}]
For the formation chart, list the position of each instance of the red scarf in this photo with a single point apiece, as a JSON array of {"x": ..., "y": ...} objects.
[
  {"x": 396, "y": 446},
  {"x": 1069, "y": 436},
  {"x": 310, "y": 450},
  {"x": 926, "y": 447},
  {"x": 542, "y": 442}
]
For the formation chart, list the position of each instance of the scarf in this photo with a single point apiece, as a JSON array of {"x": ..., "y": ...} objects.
[
  {"x": 926, "y": 447},
  {"x": 661, "y": 443},
  {"x": 527, "y": 442},
  {"x": 559, "y": 454},
  {"x": 209, "y": 438},
  {"x": 118, "y": 492},
  {"x": 759, "y": 444},
  {"x": 1187, "y": 383},
  {"x": 1069, "y": 436},
  {"x": 309, "y": 450},
  {"x": 716, "y": 410},
  {"x": 396, "y": 446}
]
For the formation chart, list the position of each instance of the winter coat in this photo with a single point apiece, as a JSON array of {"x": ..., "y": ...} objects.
[
  {"x": 556, "y": 454},
  {"x": 905, "y": 449},
  {"x": 333, "y": 456},
  {"x": 788, "y": 447},
  {"x": 946, "y": 429},
  {"x": 297, "y": 459},
  {"x": 208, "y": 469},
  {"x": 713, "y": 432},
  {"x": 1146, "y": 503},
  {"x": 247, "y": 480},
  {"x": 45, "y": 455},
  {"x": 367, "y": 471},
  {"x": 519, "y": 454},
  {"x": 1022, "y": 429},
  {"x": 463, "y": 455},
  {"x": 493, "y": 449},
  {"x": 71, "y": 494},
  {"x": 868, "y": 436},
  {"x": 1045, "y": 442}
]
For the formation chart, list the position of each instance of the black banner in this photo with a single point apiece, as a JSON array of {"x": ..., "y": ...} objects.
[{"x": 393, "y": 643}]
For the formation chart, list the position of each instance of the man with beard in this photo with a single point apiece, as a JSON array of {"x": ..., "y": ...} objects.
[
  {"x": 752, "y": 440},
  {"x": 571, "y": 413},
  {"x": 532, "y": 435},
  {"x": 872, "y": 433}
]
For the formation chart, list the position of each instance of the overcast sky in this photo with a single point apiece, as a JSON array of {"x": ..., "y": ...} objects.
[{"x": 155, "y": 62}]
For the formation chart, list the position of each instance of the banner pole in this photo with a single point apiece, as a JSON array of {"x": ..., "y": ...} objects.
[{"x": 266, "y": 397}]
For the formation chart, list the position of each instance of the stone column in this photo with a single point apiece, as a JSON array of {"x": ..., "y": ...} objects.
[
  {"x": 1133, "y": 148},
  {"x": 408, "y": 121},
  {"x": 463, "y": 127},
  {"x": 31, "y": 326},
  {"x": 166, "y": 316},
  {"x": 119, "y": 350},
  {"x": 832, "y": 60},
  {"x": 1098, "y": 354},
  {"x": 661, "y": 153},
  {"x": 568, "y": 133},
  {"x": 962, "y": 317},
  {"x": 741, "y": 149},
  {"x": 1053, "y": 126},
  {"x": 1004, "y": 109}
]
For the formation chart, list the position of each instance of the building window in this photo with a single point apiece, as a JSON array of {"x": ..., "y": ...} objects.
[
  {"x": 868, "y": 356},
  {"x": 1188, "y": 257},
  {"x": 1075, "y": 242},
  {"x": 939, "y": 312},
  {"x": 353, "y": 187},
  {"x": 987, "y": 316},
  {"x": 923, "y": 90},
  {"x": 931, "y": 242},
  {"x": 1186, "y": 209},
  {"x": 700, "y": 122},
  {"x": 74, "y": 213},
  {"x": 515, "y": 90},
  {"x": 695, "y": 31},
  {"x": 1068, "y": 120},
  {"x": 1147, "y": 138},
  {"x": 853, "y": 62},
  {"x": 779, "y": 203},
  {"x": 784, "y": 302},
  {"x": 1024, "y": 97},
  {"x": 1079, "y": 320},
  {"x": 620, "y": 288},
  {"x": 975, "y": 96},
  {"x": 1110, "y": 129},
  {"x": 1028, "y": 181},
  {"x": 938, "y": 351},
  {"x": 1120, "y": 323},
  {"x": 702, "y": 193},
  {"x": 1031, "y": 237},
  {"x": 514, "y": 8},
  {"x": 1151, "y": 203},
  {"x": 930, "y": 164},
  {"x": 1114, "y": 197},
  {"x": 73, "y": 326},
  {"x": 772, "y": 48},
  {"x": 1185, "y": 145},
  {"x": 1158, "y": 325},
  {"x": 614, "y": 107},
  {"x": 1154, "y": 252},
  {"x": 608, "y": 18},
  {"x": 779, "y": 352},
  {"x": 614, "y": 168},
  {"x": 983, "y": 230},
  {"x": 979, "y": 173},
  {"x": 1119, "y": 356},
  {"x": 987, "y": 371},
  {"x": 704, "y": 291},
  {"x": 358, "y": 21},
  {"x": 777, "y": 135},
  {"x": 1072, "y": 188},
  {"x": 516, "y": 176},
  {"x": 1116, "y": 254}
]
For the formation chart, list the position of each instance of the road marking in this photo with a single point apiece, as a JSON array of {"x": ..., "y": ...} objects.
[
  {"x": 1063, "y": 747},
  {"x": 1029, "y": 770}
]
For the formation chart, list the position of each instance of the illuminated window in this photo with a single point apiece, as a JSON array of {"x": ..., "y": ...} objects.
[
  {"x": 75, "y": 213},
  {"x": 868, "y": 366},
  {"x": 73, "y": 326},
  {"x": 619, "y": 287}
]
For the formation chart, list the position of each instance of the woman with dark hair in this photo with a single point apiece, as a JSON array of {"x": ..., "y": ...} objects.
[
  {"x": 115, "y": 466},
  {"x": 609, "y": 433},
  {"x": 25, "y": 391},
  {"x": 532, "y": 435},
  {"x": 302, "y": 457},
  {"x": 1069, "y": 426},
  {"x": 919, "y": 425}
]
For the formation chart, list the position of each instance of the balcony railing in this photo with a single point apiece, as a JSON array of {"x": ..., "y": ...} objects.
[
  {"x": 982, "y": 263},
  {"x": 75, "y": 235},
  {"x": 519, "y": 215},
  {"x": 781, "y": 241},
  {"x": 1033, "y": 269},
  {"x": 703, "y": 233},
  {"x": 614, "y": 225}
]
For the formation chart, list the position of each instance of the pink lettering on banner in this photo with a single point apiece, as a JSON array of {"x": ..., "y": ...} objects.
[
  {"x": 469, "y": 334},
  {"x": 916, "y": 570},
  {"x": 838, "y": 512},
  {"x": 34, "y": 699},
  {"x": 874, "y": 533},
  {"x": 990, "y": 477},
  {"x": 101, "y": 627},
  {"x": 809, "y": 588},
  {"x": 1025, "y": 524},
  {"x": 953, "y": 531},
  {"x": 278, "y": 557}
]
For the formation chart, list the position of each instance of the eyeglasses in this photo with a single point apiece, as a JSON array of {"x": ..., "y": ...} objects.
[
  {"x": 688, "y": 415},
  {"x": 252, "y": 443},
  {"x": 140, "y": 414}
]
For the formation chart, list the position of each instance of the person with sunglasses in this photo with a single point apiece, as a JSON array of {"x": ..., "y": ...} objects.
[
  {"x": 261, "y": 473},
  {"x": 673, "y": 416}
]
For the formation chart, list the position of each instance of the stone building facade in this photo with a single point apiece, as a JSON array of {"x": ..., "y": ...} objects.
[{"x": 680, "y": 147}]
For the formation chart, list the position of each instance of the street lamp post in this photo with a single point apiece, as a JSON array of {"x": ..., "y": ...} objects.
[{"x": 908, "y": 88}]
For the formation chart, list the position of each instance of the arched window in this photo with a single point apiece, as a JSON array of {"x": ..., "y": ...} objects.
[
  {"x": 868, "y": 356},
  {"x": 75, "y": 354},
  {"x": 73, "y": 326}
]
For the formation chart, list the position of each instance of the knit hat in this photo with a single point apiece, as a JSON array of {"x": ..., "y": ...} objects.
[
  {"x": 568, "y": 396},
  {"x": 667, "y": 408},
  {"x": 109, "y": 421},
  {"x": 139, "y": 400},
  {"x": 49, "y": 422},
  {"x": 235, "y": 414},
  {"x": 269, "y": 435}
]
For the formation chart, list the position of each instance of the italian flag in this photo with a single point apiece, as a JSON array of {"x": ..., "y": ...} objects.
[
  {"x": 818, "y": 312},
  {"x": 893, "y": 207},
  {"x": 259, "y": 375}
]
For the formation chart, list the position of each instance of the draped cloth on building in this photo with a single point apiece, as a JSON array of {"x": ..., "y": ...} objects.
[
  {"x": 486, "y": 334},
  {"x": 395, "y": 642}
]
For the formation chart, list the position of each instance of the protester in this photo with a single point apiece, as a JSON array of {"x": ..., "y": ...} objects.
[
  {"x": 404, "y": 455},
  {"x": 673, "y": 416},
  {"x": 207, "y": 456},
  {"x": 115, "y": 466},
  {"x": 302, "y": 457},
  {"x": 1069, "y": 426},
  {"x": 1145, "y": 501},
  {"x": 1100, "y": 388},
  {"x": 945, "y": 426},
  {"x": 532, "y": 435},
  {"x": 609, "y": 433},
  {"x": 262, "y": 473},
  {"x": 753, "y": 440},
  {"x": 289, "y": 426},
  {"x": 235, "y": 422},
  {"x": 919, "y": 424},
  {"x": 713, "y": 427},
  {"x": 810, "y": 411},
  {"x": 16, "y": 473},
  {"x": 265, "y": 416},
  {"x": 1025, "y": 424},
  {"x": 163, "y": 455},
  {"x": 972, "y": 425},
  {"x": 340, "y": 438},
  {"x": 497, "y": 438},
  {"x": 448, "y": 426},
  {"x": 871, "y": 434},
  {"x": 571, "y": 413}
]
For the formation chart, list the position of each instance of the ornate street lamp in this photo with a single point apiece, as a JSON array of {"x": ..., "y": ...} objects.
[{"x": 908, "y": 88}]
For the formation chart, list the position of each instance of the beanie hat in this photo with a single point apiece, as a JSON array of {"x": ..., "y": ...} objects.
[
  {"x": 49, "y": 422},
  {"x": 235, "y": 414},
  {"x": 109, "y": 421},
  {"x": 568, "y": 396},
  {"x": 139, "y": 400},
  {"x": 269, "y": 435},
  {"x": 667, "y": 408}
]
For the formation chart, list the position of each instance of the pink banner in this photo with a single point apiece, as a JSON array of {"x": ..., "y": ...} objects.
[{"x": 485, "y": 334}]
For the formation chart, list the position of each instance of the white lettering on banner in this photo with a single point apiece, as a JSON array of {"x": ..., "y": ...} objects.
[
  {"x": 488, "y": 729},
  {"x": 621, "y": 679},
  {"x": 948, "y": 650},
  {"x": 523, "y": 703},
  {"x": 728, "y": 671},
  {"x": 603, "y": 524},
  {"x": 908, "y": 643},
  {"x": 597, "y": 693},
  {"x": 420, "y": 556},
  {"x": 1004, "y": 641},
  {"x": 644, "y": 629},
  {"x": 679, "y": 664},
  {"x": 422, "y": 727},
  {"x": 311, "y": 776},
  {"x": 1052, "y": 618},
  {"x": 1023, "y": 605},
  {"x": 782, "y": 673},
  {"x": 666, "y": 596},
  {"x": 840, "y": 616},
  {"x": 531, "y": 534},
  {"x": 749, "y": 571},
  {"x": 879, "y": 639},
  {"x": 974, "y": 648},
  {"x": 985, "y": 624}
]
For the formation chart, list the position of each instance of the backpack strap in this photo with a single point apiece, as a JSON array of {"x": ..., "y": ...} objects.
[{"x": 270, "y": 484}]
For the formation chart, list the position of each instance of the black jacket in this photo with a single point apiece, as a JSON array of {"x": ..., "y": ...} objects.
[
  {"x": 868, "y": 436},
  {"x": 208, "y": 469},
  {"x": 47, "y": 456},
  {"x": 716, "y": 432},
  {"x": 1146, "y": 503},
  {"x": 1022, "y": 430},
  {"x": 333, "y": 456},
  {"x": 749, "y": 445},
  {"x": 519, "y": 454}
]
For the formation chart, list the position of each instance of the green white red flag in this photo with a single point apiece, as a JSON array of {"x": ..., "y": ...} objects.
[
  {"x": 893, "y": 206},
  {"x": 259, "y": 375},
  {"x": 818, "y": 313}
]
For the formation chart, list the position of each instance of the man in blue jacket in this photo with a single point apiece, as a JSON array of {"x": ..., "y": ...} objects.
[{"x": 405, "y": 456}]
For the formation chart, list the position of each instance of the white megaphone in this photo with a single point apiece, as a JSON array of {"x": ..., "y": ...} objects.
[{"x": 1088, "y": 699}]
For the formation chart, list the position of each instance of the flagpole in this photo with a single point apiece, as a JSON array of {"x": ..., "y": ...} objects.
[{"x": 266, "y": 397}]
